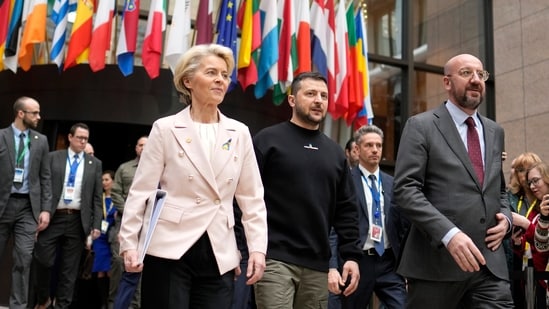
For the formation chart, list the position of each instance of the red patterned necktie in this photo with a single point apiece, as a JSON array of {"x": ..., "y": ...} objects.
[{"x": 473, "y": 147}]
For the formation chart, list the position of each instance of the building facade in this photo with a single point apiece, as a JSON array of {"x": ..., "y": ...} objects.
[{"x": 522, "y": 74}]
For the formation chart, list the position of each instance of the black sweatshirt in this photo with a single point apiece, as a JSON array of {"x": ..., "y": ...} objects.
[{"x": 308, "y": 189}]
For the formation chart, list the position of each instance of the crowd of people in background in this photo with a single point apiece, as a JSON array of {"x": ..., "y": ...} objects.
[{"x": 297, "y": 220}]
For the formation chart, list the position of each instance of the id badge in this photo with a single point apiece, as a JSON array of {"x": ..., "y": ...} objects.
[
  {"x": 376, "y": 232},
  {"x": 104, "y": 226},
  {"x": 18, "y": 176},
  {"x": 69, "y": 193}
]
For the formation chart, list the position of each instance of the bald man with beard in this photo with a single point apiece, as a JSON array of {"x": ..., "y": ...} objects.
[
  {"x": 449, "y": 184},
  {"x": 25, "y": 192}
]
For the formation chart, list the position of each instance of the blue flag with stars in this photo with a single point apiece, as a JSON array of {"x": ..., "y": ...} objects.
[{"x": 226, "y": 29}]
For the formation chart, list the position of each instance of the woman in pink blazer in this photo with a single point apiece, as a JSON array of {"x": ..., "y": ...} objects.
[{"x": 203, "y": 160}]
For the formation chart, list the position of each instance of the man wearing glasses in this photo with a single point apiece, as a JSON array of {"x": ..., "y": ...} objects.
[
  {"x": 25, "y": 192},
  {"x": 76, "y": 208},
  {"x": 448, "y": 183}
]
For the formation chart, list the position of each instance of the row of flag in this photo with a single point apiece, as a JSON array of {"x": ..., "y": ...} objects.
[{"x": 278, "y": 39}]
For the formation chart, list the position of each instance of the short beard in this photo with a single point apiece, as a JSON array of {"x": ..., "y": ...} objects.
[
  {"x": 305, "y": 117},
  {"x": 29, "y": 124},
  {"x": 468, "y": 102}
]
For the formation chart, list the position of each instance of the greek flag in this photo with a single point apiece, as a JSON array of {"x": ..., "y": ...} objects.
[{"x": 59, "y": 18}]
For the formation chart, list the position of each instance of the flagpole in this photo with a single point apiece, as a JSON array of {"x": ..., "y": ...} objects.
[
  {"x": 215, "y": 28},
  {"x": 46, "y": 43},
  {"x": 114, "y": 34},
  {"x": 194, "y": 34},
  {"x": 165, "y": 36}
]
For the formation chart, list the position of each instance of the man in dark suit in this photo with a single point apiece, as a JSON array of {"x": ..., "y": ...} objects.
[
  {"x": 25, "y": 192},
  {"x": 374, "y": 190},
  {"x": 76, "y": 215},
  {"x": 448, "y": 183}
]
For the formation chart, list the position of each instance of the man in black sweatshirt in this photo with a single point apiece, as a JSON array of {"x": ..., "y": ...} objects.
[{"x": 308, "y": 191}]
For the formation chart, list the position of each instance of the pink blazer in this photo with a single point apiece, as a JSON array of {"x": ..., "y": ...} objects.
[{"x": 200, "y": 193}]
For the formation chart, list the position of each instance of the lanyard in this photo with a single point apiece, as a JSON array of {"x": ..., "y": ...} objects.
[
  {"x": 72, "y": 173},
  {"x": 519, "y": 206},
  {"x": 105, "y": 211},
  {"x": 376, "y": 198},
  {"x": 375, "y": 195},
  {"x": 24, "y": 152}
]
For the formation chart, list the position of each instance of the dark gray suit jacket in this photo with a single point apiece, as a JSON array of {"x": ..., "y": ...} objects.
[
  {"x": 91, "y": 205},
  {"x": 436, "y": 188},
  {"x": 39, "y": 177}
]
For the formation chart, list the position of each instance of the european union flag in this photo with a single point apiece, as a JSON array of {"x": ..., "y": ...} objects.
[{"x": 226, "y": 29}]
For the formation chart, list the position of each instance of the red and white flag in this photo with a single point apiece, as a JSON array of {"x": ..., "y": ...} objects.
[
  {"x": 101, "y": 35},
  {"x": 152, "y": 44},
  {"x": 341, "y": 105}
]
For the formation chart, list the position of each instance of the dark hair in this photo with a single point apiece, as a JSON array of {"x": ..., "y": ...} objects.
[
  {"x": 110, "y": 172},
  {"x": 296, "y": 83},
  {"x": 78, "y": 125},
  {"x": 349, "y": 144}
]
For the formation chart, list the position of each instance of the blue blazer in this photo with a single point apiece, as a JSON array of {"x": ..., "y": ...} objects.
[{"x": 394, "y": 223}]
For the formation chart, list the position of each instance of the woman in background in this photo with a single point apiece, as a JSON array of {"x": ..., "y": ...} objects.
[
  {"x": 536, "y": 228},
  {"x": 522, "y": 202},
  {"x": 101, "y": 246}
]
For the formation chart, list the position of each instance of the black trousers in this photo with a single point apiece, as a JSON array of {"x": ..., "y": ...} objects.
[
  {"x": 63, "y": 236},
  {"x": 377, "y": 274},
  {"x": 190, "y": 282}
]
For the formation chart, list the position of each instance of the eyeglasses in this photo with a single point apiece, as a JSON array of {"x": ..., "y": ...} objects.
[
  {"x": 468, "y": 73},
  {"x": 534, "y": 181},
  {"x": 32, "y": 113},
  {"x": 81, "y": 138}
]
